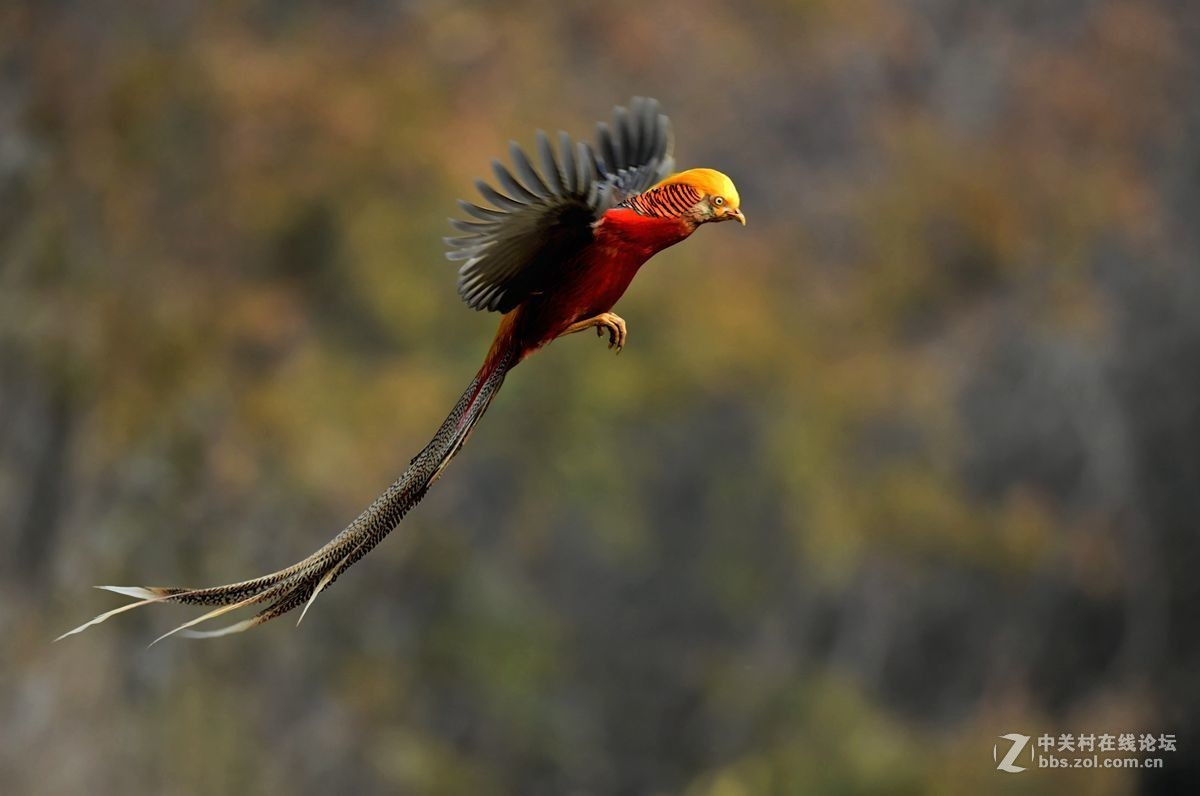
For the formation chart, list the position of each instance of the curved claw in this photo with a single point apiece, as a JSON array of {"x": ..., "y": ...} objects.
[
  {"x": 615, "y": 325},
  {"x": 604, "y": 322}
]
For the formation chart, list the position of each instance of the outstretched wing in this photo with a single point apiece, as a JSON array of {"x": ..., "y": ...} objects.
[
  {"x": 540, "y": 219},
  {"x": 633, "y": 154}
]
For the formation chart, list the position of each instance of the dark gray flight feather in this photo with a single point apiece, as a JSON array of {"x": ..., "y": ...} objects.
[{"x": 538, "y": 220}]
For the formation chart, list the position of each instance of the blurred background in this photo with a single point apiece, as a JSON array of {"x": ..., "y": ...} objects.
[{"x": 910, "y": 462}]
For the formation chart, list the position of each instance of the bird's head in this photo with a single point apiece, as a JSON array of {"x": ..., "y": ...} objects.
[{"x": 719, "y": 199}]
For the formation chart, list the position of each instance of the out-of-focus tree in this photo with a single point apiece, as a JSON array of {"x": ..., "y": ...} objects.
[{"x": 907, "y": 464}]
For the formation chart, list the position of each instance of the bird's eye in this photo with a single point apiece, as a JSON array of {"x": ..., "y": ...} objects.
[{"x": 719, "y": 200}]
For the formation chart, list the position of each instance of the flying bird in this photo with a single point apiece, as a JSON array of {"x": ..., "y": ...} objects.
[{"x": 555, "y": 249}]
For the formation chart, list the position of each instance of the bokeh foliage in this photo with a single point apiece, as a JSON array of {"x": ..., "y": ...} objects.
[{"x": 909, "y": 463}]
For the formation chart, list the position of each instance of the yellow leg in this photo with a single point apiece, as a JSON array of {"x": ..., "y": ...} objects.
[{"x": 606, "y": 321}]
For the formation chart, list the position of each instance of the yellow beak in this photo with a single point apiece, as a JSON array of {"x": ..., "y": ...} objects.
[{"x": 733, "y": 213}]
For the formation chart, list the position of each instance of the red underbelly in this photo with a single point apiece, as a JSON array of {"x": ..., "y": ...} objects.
[{"x": 583, "y": 295}]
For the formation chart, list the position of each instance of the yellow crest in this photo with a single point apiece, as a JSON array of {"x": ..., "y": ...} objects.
[{"x": 710, "y": 182}]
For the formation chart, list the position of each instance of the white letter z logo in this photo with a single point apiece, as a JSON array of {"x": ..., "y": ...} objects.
[{"x": 1018, "y": 743}]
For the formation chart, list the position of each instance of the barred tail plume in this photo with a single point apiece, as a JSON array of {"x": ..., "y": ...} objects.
[{"x": 299, "y": 584}]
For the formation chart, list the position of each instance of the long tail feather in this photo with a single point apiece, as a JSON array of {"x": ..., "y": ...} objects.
[
  {"x": 282, "y": 606},
  {"x": 301, "y": 583},
  {"x": 141, "y": 592},
  {"x": 325, "y": 580},
  {"x": 107, "y": 614},
  {"x": 236, "y": 627},
  {"x": 213, "y": 614}
]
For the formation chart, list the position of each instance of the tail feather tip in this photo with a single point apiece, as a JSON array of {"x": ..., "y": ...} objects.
[{"x": 140, "y": 592}]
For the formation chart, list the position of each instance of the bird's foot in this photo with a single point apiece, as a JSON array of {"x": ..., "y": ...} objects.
[
  {"x": 615, "y": 326},
  {"x": 604, "y": 322}
]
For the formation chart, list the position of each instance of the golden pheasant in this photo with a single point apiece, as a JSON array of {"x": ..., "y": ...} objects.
[{"x": 553, "y": 253}]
